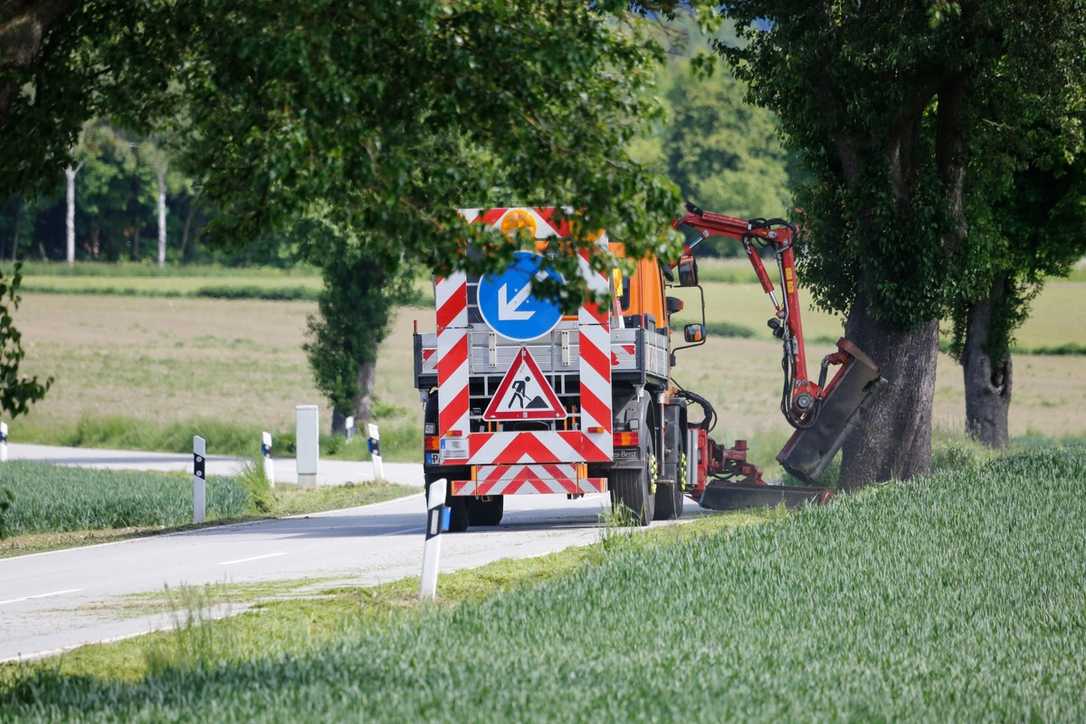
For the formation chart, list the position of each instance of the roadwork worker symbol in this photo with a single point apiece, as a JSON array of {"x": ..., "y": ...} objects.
[{"x": 524, "y": 394}]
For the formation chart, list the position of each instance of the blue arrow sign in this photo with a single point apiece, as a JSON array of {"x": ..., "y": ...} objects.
[{"x": 507, "y": 304}]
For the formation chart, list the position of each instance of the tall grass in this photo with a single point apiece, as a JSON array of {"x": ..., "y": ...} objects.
[
  {"x": 954, "y": 597},
  {"x": 50, "y": 498}
]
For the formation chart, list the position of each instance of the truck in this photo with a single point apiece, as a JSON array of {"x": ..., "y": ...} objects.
[{"x": 520, "y": 398}]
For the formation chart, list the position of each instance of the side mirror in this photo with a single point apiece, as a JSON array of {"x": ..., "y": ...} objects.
[
  {"x": 688, "y": 271},
  {"x": 694, "y": 333},
  {"x": 674, "y": 305}
]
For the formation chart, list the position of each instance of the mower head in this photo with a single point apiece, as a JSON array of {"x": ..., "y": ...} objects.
[{"x": 812, "y": 447}]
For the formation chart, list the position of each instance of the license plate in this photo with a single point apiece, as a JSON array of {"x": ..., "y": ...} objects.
[{"x": 453, "y": 448}]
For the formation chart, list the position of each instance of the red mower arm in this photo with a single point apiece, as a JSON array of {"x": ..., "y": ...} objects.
[{"x": 800, "y": 395}]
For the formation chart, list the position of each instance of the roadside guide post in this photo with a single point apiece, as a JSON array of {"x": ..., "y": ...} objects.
[
  {"x": 349, "y": 428},
  {"x": 3, "y": 442},
  {"x": 265, "y": 453},
  {"x": 307, "y": 442},
  {"x": 437, "y": 520},
  {"x": 199, "y": 484},
  {"x": 374, "y": 444}
]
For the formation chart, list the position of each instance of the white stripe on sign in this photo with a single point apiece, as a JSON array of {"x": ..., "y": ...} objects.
[
  {"x": 41, "y": 595},
  {"x": 251, "y": 558}
]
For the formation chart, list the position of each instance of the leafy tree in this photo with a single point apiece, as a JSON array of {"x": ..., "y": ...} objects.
[
  {"x": 17, "y": 392},
  {"x": 883, "y": 102},
  {"x": 355, "y": 308},
  {"x": 1023, "y": 231}
]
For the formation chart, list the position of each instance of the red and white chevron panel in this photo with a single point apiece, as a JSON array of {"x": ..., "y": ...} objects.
[
  {"x": 545, "y": 479},
  {"x": 451, "y": 296},
  {"x": 549, "y": 446},
  {"x": 623, "y": 356},
  {"x": 595, "y": 364}
]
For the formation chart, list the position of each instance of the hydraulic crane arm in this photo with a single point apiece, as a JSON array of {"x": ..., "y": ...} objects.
[{"x": 827, "y": 409}]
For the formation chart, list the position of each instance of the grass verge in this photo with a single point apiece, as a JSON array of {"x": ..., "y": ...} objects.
[
  {"x": 290, "y": 618},
  {"x": 953, "y": 597}
]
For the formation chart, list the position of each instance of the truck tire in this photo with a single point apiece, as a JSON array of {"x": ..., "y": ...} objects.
[
  {"x": 631, "y": 490},
  {"x": 669, "y": 498},
  {"x": 486, "y": 512},
  {"x": 458, "y": 504}
]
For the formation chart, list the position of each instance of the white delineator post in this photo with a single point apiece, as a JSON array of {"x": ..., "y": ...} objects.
[
  {"x": 374, "y": 444},
  {"x": 348, "y": 427},
  {"x": 436, "y": 521},
  {"x": 307, "y": 446},
  {"x": 3, "y": 442},
  {"x": 265, "y": 453},
  {"x": 199, "y": 484}
]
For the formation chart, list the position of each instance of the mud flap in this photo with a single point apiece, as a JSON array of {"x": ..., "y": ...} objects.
[
  {"x": 810, "y": 450},
  {"x": 737, "y": 496}
]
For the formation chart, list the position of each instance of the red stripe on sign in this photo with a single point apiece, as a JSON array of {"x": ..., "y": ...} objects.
[
  {"x": 476, "y": 440},
  {"x": 455, "y": 304},
  {"x": 453, "y": 411},
  {"x": 489, "y": 216},
  {"x": 630, "y": 349},
  {"x": 580, "y": 442},
  {"x": 461, "y": 487},
  {"x": 428, "y": 353},
  {"x": 539, "y": 485},
  {"x": 595, "y": 357},
  {"x": 453, "y": 359},
  {"x": 596, "y": 408},
  {"x": 557, "y": 474}
]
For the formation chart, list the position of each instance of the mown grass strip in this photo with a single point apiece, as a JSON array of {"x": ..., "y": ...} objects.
[{"x": 956, "y": 597}]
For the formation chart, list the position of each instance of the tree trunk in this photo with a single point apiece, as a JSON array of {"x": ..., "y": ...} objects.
[
  {"x": 162, "y": 217},
  {"x": 69, "y": 219},
  {"x": 186, "y": 229},
  {"x": 987, "y": 385},
  {"x": 893, "y": 437},
  {"x": 362, "y": 405}
]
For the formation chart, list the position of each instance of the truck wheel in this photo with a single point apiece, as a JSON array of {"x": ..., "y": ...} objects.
[
  {"x": 669, "y": 498},
  {"x": 486, "y": 512},
  {"x": 631, "y": 490},
  {"x": 458, "y": 517}
]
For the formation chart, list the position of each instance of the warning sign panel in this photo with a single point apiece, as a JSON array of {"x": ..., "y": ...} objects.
[{"x": 524, "y": 394}]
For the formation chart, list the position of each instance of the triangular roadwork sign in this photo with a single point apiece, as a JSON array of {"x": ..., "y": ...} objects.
[{"x": 524, "y": 394}]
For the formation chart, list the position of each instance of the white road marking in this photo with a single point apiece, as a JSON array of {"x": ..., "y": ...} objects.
[
  {"x": 252, "y": 558},
  {"x": 412, "y": 529},
  {"x": 41, "y": 595}
]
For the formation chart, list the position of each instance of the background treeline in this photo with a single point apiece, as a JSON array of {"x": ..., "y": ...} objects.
[
  {"x": 724, "y": 154},
  {"x": 116, "y": 186}
]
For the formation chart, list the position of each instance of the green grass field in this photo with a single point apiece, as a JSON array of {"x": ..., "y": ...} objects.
[
  {"x": 50, "y": 498},
  {"x": 55, "y": 507},
  {"x": 956, "y": 597}
]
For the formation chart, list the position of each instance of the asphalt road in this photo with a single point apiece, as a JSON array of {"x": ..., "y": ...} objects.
[
  {"x": 54, "y": 601},
  {"x": 330, "y": 472}
]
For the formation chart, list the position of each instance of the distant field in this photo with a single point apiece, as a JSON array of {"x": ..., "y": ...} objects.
[{"x": 235, "y": 367}]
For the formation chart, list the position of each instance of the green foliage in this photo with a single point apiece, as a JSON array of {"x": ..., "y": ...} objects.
[
  {"x": 16, "y": 393},
  {"x": 356, "y": 306},
  {"x": 893, "y": 110},
  {"x": 493, "y": 103},
  {"x": 53, "y": 498},
  {"x": 937, "y": 575},
  {"x": 7, "y": 502}
]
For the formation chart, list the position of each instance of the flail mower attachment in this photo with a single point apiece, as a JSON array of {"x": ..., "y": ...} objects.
[{"x": 835, "y": 412}]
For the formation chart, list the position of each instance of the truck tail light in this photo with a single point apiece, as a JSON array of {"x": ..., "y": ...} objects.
[
  {"x": 431, "y": 442},
  {"x": 627, "y": 439},
  {"x": 595, "y": 429}
]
